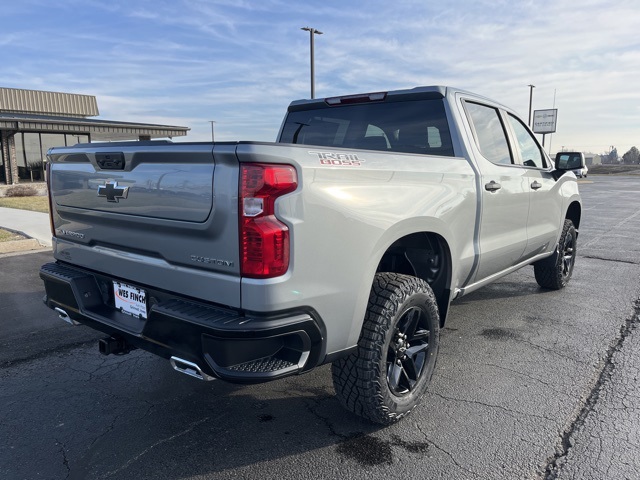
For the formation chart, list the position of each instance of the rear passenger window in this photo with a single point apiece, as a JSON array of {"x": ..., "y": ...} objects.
[{"x": 489, "y": 132}]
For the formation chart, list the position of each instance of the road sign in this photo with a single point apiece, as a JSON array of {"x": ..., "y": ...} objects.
[{"x": 544, "y": 121}]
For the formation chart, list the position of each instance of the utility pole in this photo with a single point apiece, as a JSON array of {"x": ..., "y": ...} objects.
[
  {"x": 212, "y": 133},
  {"x": 312, "y": 32},
  {"x": 531, "y": 87},
  {"x": 554, "y": 106}
]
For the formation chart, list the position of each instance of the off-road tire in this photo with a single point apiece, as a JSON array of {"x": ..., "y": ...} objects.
[
  {"x": 556, "y": 275},
  {"x": 370, "y": 382}
]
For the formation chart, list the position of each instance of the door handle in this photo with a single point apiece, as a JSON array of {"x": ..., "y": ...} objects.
[
  {"x": 493, "y": 186},
  {"x": 535, "y": 185}
]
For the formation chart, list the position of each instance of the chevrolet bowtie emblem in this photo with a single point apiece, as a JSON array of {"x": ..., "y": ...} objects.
[{"x": 112, "y": 191}]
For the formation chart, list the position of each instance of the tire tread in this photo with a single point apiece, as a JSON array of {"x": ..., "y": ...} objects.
[
  {"x": 356, "y": 378},
  {"x": 551, "y": 277}
]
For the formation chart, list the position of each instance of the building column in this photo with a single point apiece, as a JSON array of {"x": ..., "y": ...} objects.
[
  {"x": 3, "y": 142},
  {"x": 9, "y": 155},
  {"x": 13, "y": 164}
]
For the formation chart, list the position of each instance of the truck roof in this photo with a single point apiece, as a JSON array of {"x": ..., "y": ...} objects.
[{"x": 416, "y": 93}]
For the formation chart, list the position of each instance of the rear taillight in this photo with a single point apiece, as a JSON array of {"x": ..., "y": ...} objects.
[{"x": 264, "y": 240}]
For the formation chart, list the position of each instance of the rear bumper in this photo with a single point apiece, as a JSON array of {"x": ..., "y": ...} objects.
[{"x": 225, "y": 343}]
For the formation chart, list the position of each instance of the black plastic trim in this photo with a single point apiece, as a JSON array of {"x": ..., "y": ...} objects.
[
  {"x": 227, "y": 343},
  {"x": 339, "y": 354}
]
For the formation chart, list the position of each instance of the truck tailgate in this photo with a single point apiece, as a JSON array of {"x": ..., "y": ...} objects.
[{"x": 153, "y": 213}]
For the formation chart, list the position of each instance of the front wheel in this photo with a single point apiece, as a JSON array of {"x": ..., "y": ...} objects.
[
  {"x": 556, "y": 275},
  {"x": 396, "y": 355}
]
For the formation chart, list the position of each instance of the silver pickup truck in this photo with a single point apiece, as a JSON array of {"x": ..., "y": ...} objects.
[{"x": 344, "y": 242}]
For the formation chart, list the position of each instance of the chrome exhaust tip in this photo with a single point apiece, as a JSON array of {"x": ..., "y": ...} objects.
[
  {"x": 62, "y": 315},
  {"x": 189, "y": 368}
]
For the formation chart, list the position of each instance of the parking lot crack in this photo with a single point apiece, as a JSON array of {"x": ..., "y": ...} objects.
[
  {"x": 603, "y": 374},
  {"x": 530, "y": 377},
  {"x": 614, "y": 260},
  {"x": 65, "y": 460},
  {"x": 151, "y": 447},
  {"x": 447, "y": 453},
  {"x": 550, "y": 351},
  {"x": 312, "y": 403},
  {"x": 311, "y": 406},
  {"x": 512, "y": 413}
]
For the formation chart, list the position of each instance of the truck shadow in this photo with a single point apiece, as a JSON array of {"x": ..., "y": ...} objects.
[
  {"x": 190, "y": 429},
  {"x": 69, "y": 412},
  {"x": 133, "y": 417}
]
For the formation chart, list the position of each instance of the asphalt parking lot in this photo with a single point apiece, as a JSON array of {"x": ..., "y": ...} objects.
[{"x": 529, "y": 384}]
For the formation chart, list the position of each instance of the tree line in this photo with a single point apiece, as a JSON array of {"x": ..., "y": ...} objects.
[{"x": 631, "y": 157}]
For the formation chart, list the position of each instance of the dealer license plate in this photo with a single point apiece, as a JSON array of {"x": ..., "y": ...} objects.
[{"x": 130, "y": 300}]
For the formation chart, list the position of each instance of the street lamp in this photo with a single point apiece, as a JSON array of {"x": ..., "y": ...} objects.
[
  {"x": 212, "y": 135},
  {"x": 312, "y": 31},
  {"x": 531, "y": 87}
]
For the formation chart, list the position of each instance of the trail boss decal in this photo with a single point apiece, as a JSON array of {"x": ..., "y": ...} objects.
[{"x": 338, "y": 159}]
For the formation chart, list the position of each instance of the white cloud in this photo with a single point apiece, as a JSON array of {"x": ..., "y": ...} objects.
[{"x": 240, "y": 62}]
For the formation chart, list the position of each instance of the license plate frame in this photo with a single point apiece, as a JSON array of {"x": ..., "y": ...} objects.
[{"x": 130, "y": 299}]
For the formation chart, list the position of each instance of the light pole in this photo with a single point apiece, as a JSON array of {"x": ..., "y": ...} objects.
[
  {"x": 212, "y": 135},
  {"x": 312, "y": 31},
  {"x": 531, "y": 87}
]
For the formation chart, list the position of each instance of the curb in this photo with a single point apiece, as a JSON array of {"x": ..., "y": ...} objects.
[
  {"x": 24, "y": 245},
  {"x": 13, "y": 246}
]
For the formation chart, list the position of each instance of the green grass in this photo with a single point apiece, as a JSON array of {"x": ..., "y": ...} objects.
[{"x": 36, "y": 204}]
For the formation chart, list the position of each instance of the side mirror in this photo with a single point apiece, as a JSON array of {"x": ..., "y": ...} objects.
[{"x": 569, "y": 161}]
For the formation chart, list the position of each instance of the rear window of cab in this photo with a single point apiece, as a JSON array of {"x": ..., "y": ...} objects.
[{"x": 409, "y": 127}]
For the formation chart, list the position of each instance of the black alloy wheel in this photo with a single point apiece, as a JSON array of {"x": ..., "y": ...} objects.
[
  {"x": 555, "y": 272},
  {"x": 407, "y": 353},
  {"x": 384, "y": 379}
]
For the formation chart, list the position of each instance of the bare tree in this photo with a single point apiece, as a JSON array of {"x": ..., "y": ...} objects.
[{"x": 632, "y": 157}]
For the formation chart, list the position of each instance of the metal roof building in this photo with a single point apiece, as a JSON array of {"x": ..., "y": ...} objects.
[{"x": 33, "y": 121}]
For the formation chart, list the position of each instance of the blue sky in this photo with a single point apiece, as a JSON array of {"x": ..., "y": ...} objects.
[{"x": 240, "y": 62}]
